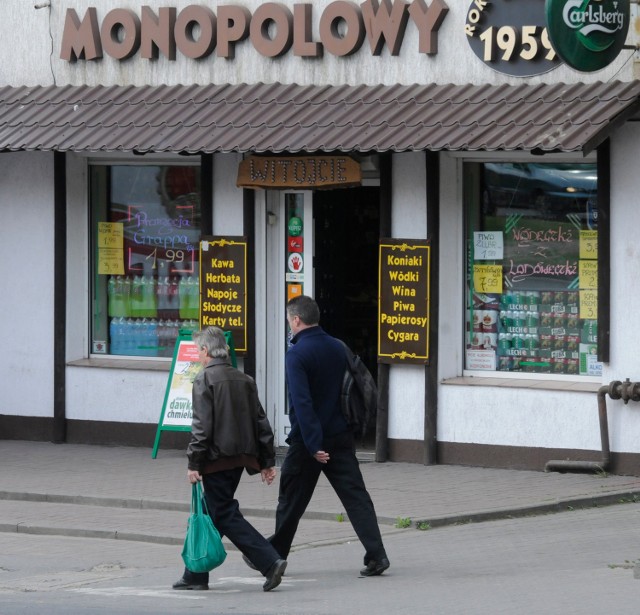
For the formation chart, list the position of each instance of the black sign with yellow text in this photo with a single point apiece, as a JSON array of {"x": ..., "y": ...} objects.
[
  {"x": 403, "y": 308},
  {"x": 223, "y": 286}
]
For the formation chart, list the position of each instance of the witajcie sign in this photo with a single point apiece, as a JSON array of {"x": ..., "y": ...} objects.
[{"x": 273, "y": 29}]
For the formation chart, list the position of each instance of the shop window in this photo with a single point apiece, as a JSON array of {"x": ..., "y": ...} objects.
[
  {"x": 145, "y": 235},
  {"x": 532, "y": 268}
]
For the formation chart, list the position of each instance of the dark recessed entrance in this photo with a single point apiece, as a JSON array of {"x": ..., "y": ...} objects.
[{"x": 347, "y": 229}]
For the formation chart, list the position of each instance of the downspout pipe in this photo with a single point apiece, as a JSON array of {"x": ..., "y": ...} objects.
[{"x": 616, "y": 390}]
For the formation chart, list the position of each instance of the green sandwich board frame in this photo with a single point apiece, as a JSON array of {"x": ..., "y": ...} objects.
[{"x": 176, "y": 414}]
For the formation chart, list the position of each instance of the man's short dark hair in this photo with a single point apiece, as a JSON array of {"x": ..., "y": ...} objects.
[{"x": 305, "y": 308}]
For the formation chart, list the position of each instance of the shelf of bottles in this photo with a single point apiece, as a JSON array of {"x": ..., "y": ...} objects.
[{"x": 146, "y": 313}]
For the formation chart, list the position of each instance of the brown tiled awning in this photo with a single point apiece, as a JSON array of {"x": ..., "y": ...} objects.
[{"x": 296, "y": 118}]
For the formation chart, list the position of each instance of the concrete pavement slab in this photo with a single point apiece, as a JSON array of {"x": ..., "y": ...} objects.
[{"x": 146, "y": 497}]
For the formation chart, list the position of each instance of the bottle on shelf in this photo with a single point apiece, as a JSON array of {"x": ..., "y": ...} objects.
[
  {"x": 114, "y": 336},
  {"x": 194, "y": 298},
  {"x": 183, "y": 297},
  {"x": 137, "y": 305},
  {"x": 117, "y": 292},
  {"x": 173, "y": 328},
  {"x": 173, "y": 298},
  {"x": 111, "y": 296},
  {"x": 149, "y": 297},
  {"x": 162, "y": 294}
]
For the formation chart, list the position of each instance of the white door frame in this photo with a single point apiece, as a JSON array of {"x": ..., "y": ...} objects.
[{"x": 271, "y": 297}]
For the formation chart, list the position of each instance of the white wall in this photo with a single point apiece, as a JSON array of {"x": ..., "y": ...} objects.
[
  {"x": 624, "y": 421},
  {"x": 510, "y": 416},
  {"x": 536, "y": 417},
  {"x": 40, "y": 62},
  {"x": 451, "y": 276},
  {"x": 228, "y": 212},
  {"x": 409, "y": 221},
  {"x": 466, "y": 414},
  {"x": 118, "y": 395},
  {"x": 227, "y": 197},
  {"x": 518, "y": 417},
  {"x": 625, "y": 255},
  {"x": 77, "y": 258},
  {"x": 25, "y": 44},
  {"x": 26, "y": 252}
]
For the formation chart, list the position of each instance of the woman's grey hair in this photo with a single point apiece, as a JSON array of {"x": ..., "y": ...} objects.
[{"x": 213, "y": 341}]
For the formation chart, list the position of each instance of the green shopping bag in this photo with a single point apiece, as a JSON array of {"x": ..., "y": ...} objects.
[{"x": 203, "y": 549}]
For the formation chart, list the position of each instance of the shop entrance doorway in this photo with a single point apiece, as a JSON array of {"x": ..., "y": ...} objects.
[
  {"x": 323, "y": 244},
  {"x": 346, "y": 234}
]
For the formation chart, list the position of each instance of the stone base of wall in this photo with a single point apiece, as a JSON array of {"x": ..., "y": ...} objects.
[
  {"x": 91, "y": 432},
  {"x": 408, "y": 451},
  {"x": 510, "y": 457}
]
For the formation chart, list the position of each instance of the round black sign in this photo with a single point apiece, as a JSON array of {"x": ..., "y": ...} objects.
[{"x": 511, "y": 37}]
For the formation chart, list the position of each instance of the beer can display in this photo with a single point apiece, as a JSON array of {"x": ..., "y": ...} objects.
[
  {"x": 573, "y": 366},
  {"x": 490, "y": 320},
  {"x": 504, "y": 343},
  {"x": 535, "y": 331}
]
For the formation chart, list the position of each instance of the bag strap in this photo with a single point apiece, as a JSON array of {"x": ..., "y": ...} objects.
[
  {"x": 349, "y": 354},
  {"x": 195, "y": 499},
  {"x": 198, "y": 500}
]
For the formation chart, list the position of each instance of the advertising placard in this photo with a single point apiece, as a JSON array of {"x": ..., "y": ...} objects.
[
  {"x": 177, "y": 411},
  {"x": 588, "y": 34},
  {"x": 223, "y": 287},
  {"x": 403, "y": 308},
  {"x": 299, "y": 172},
  {"x": 510, "y": 37}
]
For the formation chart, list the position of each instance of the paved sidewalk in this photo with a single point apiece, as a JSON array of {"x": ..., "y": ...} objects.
[{"x": 121, "y": 492}]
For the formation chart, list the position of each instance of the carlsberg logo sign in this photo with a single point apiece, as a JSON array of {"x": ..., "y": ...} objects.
[
  {"x": 587, "y": 34},
  {"x": 588, "y": 19}
]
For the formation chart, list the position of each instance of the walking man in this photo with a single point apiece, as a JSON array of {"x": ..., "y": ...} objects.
[
  {"x": 320, "y": 440},
  {"x": 229, "y": 432}
]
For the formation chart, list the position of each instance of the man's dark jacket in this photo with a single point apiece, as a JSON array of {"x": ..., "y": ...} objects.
[
  {"x": 228, "y": 419},
  {"x": 315, "y": 366}
]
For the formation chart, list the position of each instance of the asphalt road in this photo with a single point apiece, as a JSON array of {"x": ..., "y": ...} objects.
[{"x": 579, "y": 562}]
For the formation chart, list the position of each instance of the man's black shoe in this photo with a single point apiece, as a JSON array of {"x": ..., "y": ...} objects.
[
  {"x": 248, "y": 562},
  {"x": 274, "y": 576},
  {"x": 375, "y": 568},
  {"x": 182, "y": 584}
]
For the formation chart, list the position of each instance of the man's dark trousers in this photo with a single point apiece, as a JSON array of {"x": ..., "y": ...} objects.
[
  {"x": 219, "y": 489},
  {"x": 298, "y": 478}
]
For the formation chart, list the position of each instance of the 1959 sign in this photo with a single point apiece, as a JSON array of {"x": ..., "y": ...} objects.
[{"x": 511, "y": 37}]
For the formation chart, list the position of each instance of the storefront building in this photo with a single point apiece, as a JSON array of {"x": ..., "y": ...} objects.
[{"x": 457, "y": 193}]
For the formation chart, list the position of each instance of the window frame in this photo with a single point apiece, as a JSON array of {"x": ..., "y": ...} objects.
[
  {"x": 601, "y": 158},
  {"x": 151, "y": 159}
]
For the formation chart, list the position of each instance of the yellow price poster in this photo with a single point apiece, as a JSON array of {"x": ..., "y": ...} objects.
[
  {"x": 110, "y": 243},
  {"x": 110, "y": 261},
  {"x": 589, "y": 304},
  {"x": 588, "y": 272},
  {"x": 110, "y": 235},
  {"x": 487, "y": 278},
  {"x": 588, "y": 244}
]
